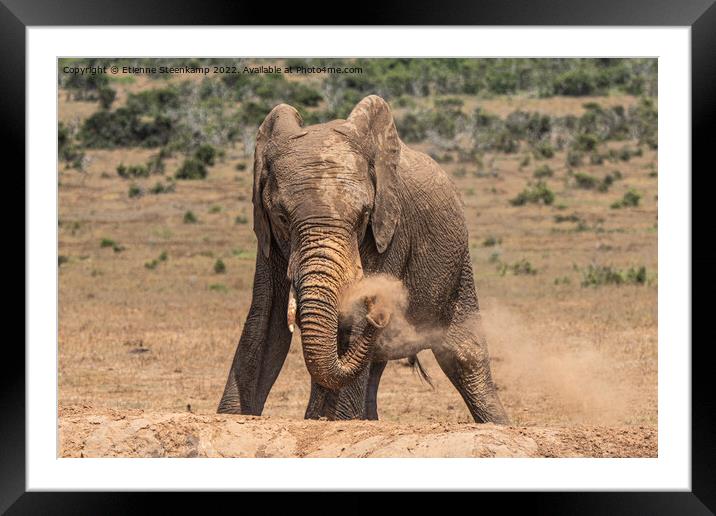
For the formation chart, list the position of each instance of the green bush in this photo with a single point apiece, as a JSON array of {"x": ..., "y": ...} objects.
[
  {"x": 585, "y": 181},
  {"x": 626, "y": 153},
  {"x": 219, "y": 267},
  {"x": 577, "y": 82},
  {"x": 538, "y": 193},
  {"x": 151, "y": 265},
  {"x": 67, "y": 151},
  {"x": 108, "y": 242},
  {"x": 206, "y": 154},
  {"x": 134, "y": 191},
  {"x": 191, "y": 169},
  {"x": 491, "y": 241},
  {"x": 567, "y": 218},
  {"x": 190, "y": 218},
  {"x": 106, "y": 97},
  {"x": 132, "y": 171},
  {"x": 521, "y": 267},
  {"x": 630, "y": 199},
  {"x": 124, "y": 128},
  {"x": 543, "y": 171},
  {"x": 161, "y": 188},
  {"x": 543, "y": 150},
  {"x": 585, "y": 142},
  {"x": 596, "y": 275},
  {"x": 574, "y": 158}
]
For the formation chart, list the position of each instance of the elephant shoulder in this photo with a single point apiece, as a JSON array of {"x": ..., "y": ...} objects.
[{"x": 421, "y": 172}]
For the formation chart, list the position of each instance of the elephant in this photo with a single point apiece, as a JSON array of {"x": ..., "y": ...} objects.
[{"x": 333, "y": 203}]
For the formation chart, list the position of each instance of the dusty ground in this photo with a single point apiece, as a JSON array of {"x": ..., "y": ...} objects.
[
  {"x": 149, "y": 349},
  {"x": 85, "y": 432}
]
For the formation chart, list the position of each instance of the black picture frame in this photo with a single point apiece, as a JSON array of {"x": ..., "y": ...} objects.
[{"x": 17, "y": 15}]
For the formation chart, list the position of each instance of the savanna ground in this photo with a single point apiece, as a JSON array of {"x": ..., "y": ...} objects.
[{"x": 155, "y": 283}]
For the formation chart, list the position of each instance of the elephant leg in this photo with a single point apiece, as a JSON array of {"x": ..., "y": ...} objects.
[
  {"x": 371, "y": 395},
  {"x": 264, "y": 342},
  {"x": 463, "y": 357},
  {"x": 347, "y": 402}
]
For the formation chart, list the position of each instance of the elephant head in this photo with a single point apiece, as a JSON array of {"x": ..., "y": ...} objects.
[{"x": 318, "y": 192}]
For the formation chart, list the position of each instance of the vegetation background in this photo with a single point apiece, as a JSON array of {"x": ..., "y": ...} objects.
[{"x": 556, "y": 162}]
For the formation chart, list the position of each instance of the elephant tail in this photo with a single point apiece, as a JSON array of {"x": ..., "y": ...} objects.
[{"x": 414, "y": 362}]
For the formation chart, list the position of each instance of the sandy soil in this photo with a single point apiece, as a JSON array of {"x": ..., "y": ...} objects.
[
  {"x": 85, "y": 432},
  {"x": 144, "y": 352}
]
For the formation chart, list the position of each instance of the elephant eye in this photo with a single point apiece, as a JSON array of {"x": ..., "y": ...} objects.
[
  {"x": 283, "y": 219},
  {"x": 363, "y": 219}
]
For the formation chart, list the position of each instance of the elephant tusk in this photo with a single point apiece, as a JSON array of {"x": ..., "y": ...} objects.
[{"x": 291, "y": 311}]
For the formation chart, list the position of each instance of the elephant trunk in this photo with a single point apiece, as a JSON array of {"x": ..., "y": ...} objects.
[{"x": 326, "y": 267}]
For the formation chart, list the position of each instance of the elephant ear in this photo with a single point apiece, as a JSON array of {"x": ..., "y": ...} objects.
[
  {"x": 282, "y": 123},
  {"x": 371, "y": 127}
]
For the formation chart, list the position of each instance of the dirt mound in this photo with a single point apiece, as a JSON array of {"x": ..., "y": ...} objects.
[{"x": 85, "y": 432}]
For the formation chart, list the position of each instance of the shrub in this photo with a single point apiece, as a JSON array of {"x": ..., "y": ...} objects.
[
  {"x": 539, "y": 193},
  {"x": 151, "y": 265},
  {"x": 505, "y": 142},
  {"x": 304, "y": 95},
  {"x": 626, "y": 153},
  {"x": 62, "y": 259},
  {"x": 218, "y": 287},
  {"x": 219, "y": 267},
  {"x": 630, "y": 199},
  {"x": 191, "y": 169},
  {"x": 108, "y": 242},
  {"x": 543, "y": 150},
  {"x": 161, "y": 188},
  {"x": 543, "y": 171},
  {"x": 206, "y": 154},
  {"x": 66, "y": 148},
  {"x": 585, "y": 142},
  {"x": 645, "y": 121},
  {"x": 124, "y": 128},
  {"x": 134, "y": 191},
  {"x": 241, "y": 219},
  {"x": 491, "y": 241},
  {"x": 567, "y": 218},
  {"x": 574, "y": 158},
  {"x": 106, "y": 97},
  {"x": 585, "y": 181},
  {"x": 190, "y": 218},
  {"x": 521, "y": 267},
  {"x": 129, "y": 171},
  {"x": 596, "y": 275},
  {"x": 215, "y": 209},
  {"x": 577, "y": 82}
]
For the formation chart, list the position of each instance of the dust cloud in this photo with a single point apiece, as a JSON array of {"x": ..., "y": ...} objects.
[
  {"x": 534, "y": 366},
  {"x": 531, "y": 365},
  {"x": 400, "y": 339}
]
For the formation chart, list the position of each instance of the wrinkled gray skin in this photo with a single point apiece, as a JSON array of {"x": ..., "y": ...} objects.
[{"x": 335, "y": 201}]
